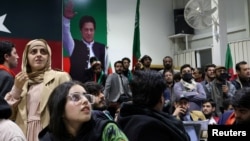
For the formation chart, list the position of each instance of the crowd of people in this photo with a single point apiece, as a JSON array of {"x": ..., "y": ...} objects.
[{"x": 42, "y": 104}]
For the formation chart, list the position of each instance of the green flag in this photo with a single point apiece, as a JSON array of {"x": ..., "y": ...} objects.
[
  {"x": 229, "y": 62},
  {"x": 136, "y": 42}
]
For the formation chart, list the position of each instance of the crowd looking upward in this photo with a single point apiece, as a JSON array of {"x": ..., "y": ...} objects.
[{"x": 185, "y": 94}]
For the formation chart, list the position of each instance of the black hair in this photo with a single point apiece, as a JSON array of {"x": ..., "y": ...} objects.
[
  {"x": 211, "y": 101},
  {"x": 167, "y": 57},
  {"x": 144, "y": 57},
  {"x": 5, "y": 48},
  {"x": 177, "y": 76},
  {"x": 92, "y": 59},
  {"x": 56, "y": 105},
  {"x": 126, "y": 58},
  {"x": 225, "y": 104},
  {"x": 171, "y": 71},
  {"x": 201, "y": 71},
  {"x": 147, "y": 88},
  {"x": 118, "y": 62},
  {"x": 237, "y": 66},
  {"x": 86, "y": 19},
  {"x": 92, "y": 87},
  {"x": 185, "y": 66},
  {"x": 208, "y": 66},
  {"x": 241, "y": 98}
]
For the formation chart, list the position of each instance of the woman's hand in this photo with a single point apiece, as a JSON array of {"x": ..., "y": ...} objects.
[
  {"x": 20, "y": 79},
  {"x": 11, "y": 100}
]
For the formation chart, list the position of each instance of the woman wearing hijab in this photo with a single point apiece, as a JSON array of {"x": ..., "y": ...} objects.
[{"x": 32, "y": 88}]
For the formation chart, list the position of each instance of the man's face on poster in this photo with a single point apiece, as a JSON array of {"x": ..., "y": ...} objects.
[{"x": 88, "y": 32}]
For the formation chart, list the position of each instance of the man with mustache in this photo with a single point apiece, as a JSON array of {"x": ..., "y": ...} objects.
[{"x": 99, "y": 106}]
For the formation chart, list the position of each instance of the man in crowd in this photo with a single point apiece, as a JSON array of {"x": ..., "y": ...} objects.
[
  {"x": 241, "y": 113},
  {"x": 208, "y": 109},
  {"x": 209, "y": 77},
  {"x": 143, "y": 119},
  {"x": 146, "y": 62},
  {"x": 99, "y": 104},
  {"x": 220, "y": 88},
  {"x": 167, "y": 64},
  {"x": 183, "y": 112},
  {"x": 243, "y": 73},
  {"x": 8, "y": 60},
  {"x": 126, "y": 64},
  {"x": 117, "y": 89},
  {"x": 191, "y": 89}
]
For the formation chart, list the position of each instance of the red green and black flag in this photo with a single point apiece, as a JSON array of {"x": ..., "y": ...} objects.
[
  {"x": 136, "y": 43},
  {"x": 229, "y": 63},
  {"x": 24, "y": 20}
]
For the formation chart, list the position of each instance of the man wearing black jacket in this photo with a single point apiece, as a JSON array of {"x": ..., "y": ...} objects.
[
  {"x": 143, "y": 119},
  {"x": 8, "y": 61}
]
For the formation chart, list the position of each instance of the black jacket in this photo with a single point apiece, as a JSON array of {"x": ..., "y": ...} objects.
[
  {"x": 80, "y": 58},
  {"x": 143, "y": 124},
  {"x": 6, "y": 82},
  {"x": 90, "y": 131}
]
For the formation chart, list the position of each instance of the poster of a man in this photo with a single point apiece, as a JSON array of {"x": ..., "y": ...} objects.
[{"x": 80, "y": 49}]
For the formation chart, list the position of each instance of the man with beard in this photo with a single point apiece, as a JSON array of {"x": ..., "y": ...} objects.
[
  {"x": 220, "y": 88},
  {"x": 81, "y": 50},
  {"x": 209, "y": 77},
  {"x": 168, "y": 93},
  {"x": 146, "y": 62},
  {"x": 208, "y": 109},
  {"x": 168, "y": 65},
  {"x": 189, "y": 88},
  {"x": 126, "y": 63},
  {"x": 243, "y": 73},
  {"x": 241, "y": 113},
  {"x": 99, "y": 104},
  {"x": 117, "y": 89}
]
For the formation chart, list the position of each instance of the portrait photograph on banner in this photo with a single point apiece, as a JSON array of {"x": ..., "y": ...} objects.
[{"x": 84, "y": 36}]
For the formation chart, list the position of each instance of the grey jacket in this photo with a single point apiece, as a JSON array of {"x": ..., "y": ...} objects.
[{"x": 112, "y": 87}]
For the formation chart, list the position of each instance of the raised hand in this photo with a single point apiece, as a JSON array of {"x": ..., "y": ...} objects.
[
  {"x": 69, "y": 10},
  {"x": 20, "y": 79},
  {"x": 179, "y": 111}
]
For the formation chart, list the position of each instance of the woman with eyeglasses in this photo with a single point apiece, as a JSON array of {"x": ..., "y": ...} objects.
[
  {"x": 32, "y": 88},
  {"x": 72, "y": 119}
]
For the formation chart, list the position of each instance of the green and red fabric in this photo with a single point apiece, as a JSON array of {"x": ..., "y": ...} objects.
[
  {"x": 110, "y": 71},
  {"x": 136, "y": 41},
  {"x": 22, "y": 21},
  {"x": 229, "y": 62}
]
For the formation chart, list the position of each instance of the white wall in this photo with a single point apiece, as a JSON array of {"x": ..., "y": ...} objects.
[{"x": 156, "y": 24}]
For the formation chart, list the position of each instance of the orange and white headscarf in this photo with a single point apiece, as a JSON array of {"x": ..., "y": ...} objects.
[{"x": 35, "y": 77}]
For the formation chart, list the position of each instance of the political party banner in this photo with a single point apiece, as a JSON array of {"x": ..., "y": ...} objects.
[{"x": 24, "y": 20}]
